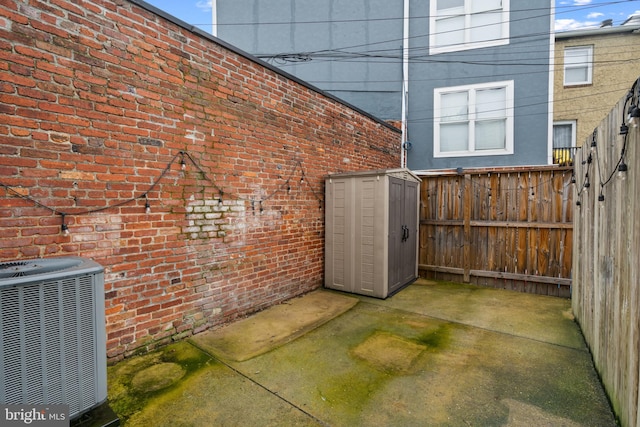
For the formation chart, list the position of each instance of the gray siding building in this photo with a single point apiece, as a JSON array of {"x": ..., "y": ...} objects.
[{"x": 469, "y": 80}]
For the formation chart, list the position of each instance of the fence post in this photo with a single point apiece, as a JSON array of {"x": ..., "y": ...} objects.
[{"x": 466, "y": 203}]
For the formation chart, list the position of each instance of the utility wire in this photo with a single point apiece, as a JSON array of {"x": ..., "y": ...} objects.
[
  {"x": 395, "y": 57},
  {"x": 453, "y": 57},
  {"x": 181, "y": 155},
  {"x": 477, "y": 75},
  {"x": 560, "y": 10},
  {"x": 515, "y": 55},
  {"x": 428, "y": 113},
  {"x": 427, "y": 59},
  {"x": 547, "y": 34},
  {"x": 632, "y": 98},
  {"x": 613, "y": 50}
]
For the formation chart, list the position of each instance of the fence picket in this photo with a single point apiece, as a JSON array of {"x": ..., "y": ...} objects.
[
  {"x": 509, "y": 228},
  {"x": 606, "y": 261}
]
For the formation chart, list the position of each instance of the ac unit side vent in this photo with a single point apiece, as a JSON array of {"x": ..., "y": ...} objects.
[{"x": 52, "y": 338}]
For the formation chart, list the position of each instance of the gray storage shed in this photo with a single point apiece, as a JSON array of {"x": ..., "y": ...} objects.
[{"x": 371, "y": 242}]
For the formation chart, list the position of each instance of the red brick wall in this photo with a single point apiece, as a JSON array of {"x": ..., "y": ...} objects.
[{"x": 97, "y": 101}]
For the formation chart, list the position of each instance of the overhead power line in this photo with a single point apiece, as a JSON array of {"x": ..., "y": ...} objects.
[
  {"x": 516, "y": 47},
  {"x": 381, "y": 59},
  {"x": 426, "y": 114},
  {"x": 612, "y": 51},
  {"x": 304, "y": 56},
  {"x": 559, "y": 10}
]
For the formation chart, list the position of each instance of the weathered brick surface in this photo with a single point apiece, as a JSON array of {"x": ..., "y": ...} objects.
[
  {"x": 97, "y": 101},
  {"x": 611, "y": 80}
]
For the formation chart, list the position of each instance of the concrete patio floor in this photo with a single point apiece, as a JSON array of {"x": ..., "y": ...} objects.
[{"x": 435, "y": 354}]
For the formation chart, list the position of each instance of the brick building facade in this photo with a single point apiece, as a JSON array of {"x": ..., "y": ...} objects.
[
  {"x": 101, "y": 104},
  {"x": 606, "y": 59}
]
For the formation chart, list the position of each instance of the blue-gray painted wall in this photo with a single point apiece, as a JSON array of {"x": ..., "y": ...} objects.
[
  {"x": 372, "y": 84},
  {"x": 525, "y": 60},
  {"x": 319, "y": 31}
]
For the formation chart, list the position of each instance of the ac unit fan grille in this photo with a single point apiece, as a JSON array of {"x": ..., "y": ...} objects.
[
  {"x": 33, "y": 267},
  {"x": 52, "y": 343}
]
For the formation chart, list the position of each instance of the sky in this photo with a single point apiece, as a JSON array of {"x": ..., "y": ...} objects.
[
  {"x": 570, "y": 14},
  {"x": 576, "y": 14}
]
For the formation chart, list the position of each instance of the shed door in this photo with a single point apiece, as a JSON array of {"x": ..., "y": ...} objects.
[{"x": 403, "y": 201}]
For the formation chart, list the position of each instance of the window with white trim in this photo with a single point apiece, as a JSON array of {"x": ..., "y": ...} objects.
[
  {"x": 578, "y": 65},
  {"x": 564, "y": 134},
  {"x": 474, "y": 120},
  {"x": 564, "y": 142},
  {"x": 467, "y": 24}
]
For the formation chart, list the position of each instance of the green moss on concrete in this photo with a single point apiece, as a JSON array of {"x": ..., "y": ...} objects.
[
  {"x": 388, "y": 352},
  {"x": 486, "y": 357},
  {"x": 351, "y": 392},
  {"x": 343, "y": 393},
  {"x": 128, "y": 393},
  {"x": 438, "y": 339},
  {"x": 216, "y": 396},
  {"x": 564, "y": 383},
  {"x": 157, "y": 377}
]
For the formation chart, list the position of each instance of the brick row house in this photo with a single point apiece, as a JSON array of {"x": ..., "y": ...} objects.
[{"x": 594, "y": 68}]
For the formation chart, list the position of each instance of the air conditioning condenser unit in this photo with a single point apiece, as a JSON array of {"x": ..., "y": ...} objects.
[{"x": 52, "y": 333}]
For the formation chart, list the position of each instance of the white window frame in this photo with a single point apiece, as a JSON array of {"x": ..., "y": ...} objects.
[
  {"x": 467, "y": 44},
  {"x": 471, "y": 89},
  {"x": 572, "y": 123},
  {"x": 588, "y": 65}
]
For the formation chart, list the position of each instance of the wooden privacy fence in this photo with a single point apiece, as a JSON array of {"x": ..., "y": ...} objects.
[
  {"x": 606, "y": 297},
  {"x": 508, "y": 228}
]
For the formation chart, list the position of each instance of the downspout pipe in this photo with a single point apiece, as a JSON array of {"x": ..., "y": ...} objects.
[
  {"x": 405, "y": 82},
  {"x": 552, "y": 55},
  {"x": 214, "y": 18}
]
